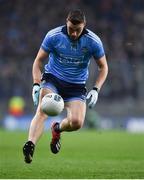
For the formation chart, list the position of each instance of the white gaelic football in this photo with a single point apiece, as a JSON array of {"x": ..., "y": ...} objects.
[{"x": 52, "y": 104}]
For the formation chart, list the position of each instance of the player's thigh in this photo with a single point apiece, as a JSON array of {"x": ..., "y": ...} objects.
[
  {"x": 43, "y": 92},
  {"x": 76, "y": 110}
]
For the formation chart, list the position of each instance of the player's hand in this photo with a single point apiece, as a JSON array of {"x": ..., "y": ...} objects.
[
  {"x": 93, "y": 96},
  {"x": 35, "y": 93}
]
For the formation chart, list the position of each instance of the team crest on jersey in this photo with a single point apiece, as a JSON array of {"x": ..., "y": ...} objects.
[
  {"x": 84, "y": 49},
  {"x": 63, "y": 46}
]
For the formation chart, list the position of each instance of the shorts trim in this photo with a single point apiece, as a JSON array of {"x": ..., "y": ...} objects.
[
  {"x": 74, "y": 98},
  {"x": 49, "y": 86}
]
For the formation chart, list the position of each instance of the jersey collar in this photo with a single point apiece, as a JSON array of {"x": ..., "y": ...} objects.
[{"x": 64, "y": 30}]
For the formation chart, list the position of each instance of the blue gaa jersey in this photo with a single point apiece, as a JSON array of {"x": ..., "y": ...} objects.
[{"x": 68, "y": 59}]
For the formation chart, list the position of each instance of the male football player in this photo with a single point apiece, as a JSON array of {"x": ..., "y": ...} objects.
[{"x": 69, "y": 49}]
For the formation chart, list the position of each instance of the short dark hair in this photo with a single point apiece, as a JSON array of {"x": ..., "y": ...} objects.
[{"x": 76, "y": 17}]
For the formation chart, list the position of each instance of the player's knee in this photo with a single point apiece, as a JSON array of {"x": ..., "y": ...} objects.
[
  {"x": 76, "y": 123},
  {"x": 41, "y": 116}
]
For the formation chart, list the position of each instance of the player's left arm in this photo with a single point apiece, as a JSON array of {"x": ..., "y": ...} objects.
[{"x": 103, "y": 72}]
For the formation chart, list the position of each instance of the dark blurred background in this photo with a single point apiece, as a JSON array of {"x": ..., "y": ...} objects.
[{"x": 119, "y": 24}]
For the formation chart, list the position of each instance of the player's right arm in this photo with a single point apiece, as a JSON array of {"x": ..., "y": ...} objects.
[
  {"x": 37, "y": 65},
  {"x": 42, "y": 54},
  {"x": 37, "y": 73}
]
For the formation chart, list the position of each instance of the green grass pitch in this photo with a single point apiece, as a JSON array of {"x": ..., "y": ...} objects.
[{"x": 84, "y": 154}]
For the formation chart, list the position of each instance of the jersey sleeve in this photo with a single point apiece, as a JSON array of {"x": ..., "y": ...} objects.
[
  {"x": 98, "y": 50},
  {"x": 47, "y": 43}
]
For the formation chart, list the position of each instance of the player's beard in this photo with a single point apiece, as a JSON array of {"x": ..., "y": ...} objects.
[{"x": 74, "y": 38}]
